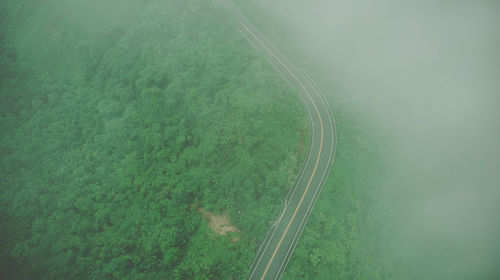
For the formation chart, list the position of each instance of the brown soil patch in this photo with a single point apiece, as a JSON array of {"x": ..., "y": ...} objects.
[{"x": 219, "y": 224}]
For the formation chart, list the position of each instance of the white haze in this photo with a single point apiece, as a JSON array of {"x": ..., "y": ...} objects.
[{"x": 427, "y": 74}]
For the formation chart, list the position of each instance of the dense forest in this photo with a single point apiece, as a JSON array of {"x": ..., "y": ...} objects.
[{"x": 119, "y": 121}]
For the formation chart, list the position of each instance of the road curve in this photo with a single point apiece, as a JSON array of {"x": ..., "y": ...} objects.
[{"x": 279, "y": 244}]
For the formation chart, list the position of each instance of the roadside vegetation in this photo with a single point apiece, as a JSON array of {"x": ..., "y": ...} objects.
[{"x": 120, "y": 123}]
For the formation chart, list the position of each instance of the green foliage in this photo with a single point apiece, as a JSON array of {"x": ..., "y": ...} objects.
[{"x": 103, "y": 167}]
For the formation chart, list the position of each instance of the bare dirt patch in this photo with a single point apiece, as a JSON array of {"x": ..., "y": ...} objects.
[{"x": 219, "y": 224}]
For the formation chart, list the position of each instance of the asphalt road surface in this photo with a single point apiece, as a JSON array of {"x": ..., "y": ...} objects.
[{"x": 275, "y": 251}]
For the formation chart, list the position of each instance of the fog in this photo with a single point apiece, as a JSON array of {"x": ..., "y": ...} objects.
[{"x": 426, "y": 74}]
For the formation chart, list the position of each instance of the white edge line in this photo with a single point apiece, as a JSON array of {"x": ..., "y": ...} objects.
[
  {"x": 331, "y": 160},
  {"x": 294, "y": 187}
]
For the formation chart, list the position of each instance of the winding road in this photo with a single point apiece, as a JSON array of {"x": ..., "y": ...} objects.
[{"x": 276, "y": 249}]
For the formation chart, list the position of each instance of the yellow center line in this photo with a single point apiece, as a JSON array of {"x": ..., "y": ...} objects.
[{"x": 320, "y": 145}]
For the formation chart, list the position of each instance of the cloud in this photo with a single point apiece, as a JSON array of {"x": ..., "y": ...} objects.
[{"x": 427, "y": 74}]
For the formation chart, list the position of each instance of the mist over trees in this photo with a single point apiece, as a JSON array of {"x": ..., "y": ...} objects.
[
  {"x": 418, "y": 84},
  {"x": 113, "y": 136}
]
